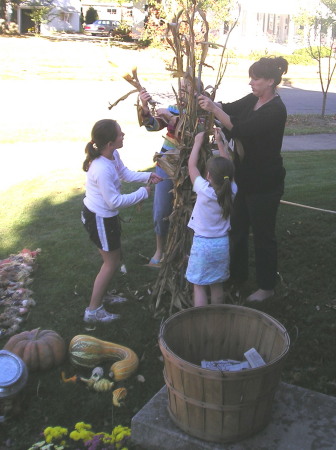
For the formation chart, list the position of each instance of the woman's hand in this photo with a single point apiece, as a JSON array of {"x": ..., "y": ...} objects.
[
  {"x": 154, "y": 178},
  {"x": 206, "y": 103}
]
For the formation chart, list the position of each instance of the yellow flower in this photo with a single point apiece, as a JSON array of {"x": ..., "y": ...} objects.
[
  {"x": 54, "y": 433},
  {"x": 81, "y": 433},
  {"x": 82, "y": 426},
  {"x": 75, "y": 435}
]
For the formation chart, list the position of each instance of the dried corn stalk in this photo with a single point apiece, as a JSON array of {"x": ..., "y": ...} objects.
[{"x": 171, "y": 290}]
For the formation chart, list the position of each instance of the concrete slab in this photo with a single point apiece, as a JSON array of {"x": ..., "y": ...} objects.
[{"x": 301, "y": 420}]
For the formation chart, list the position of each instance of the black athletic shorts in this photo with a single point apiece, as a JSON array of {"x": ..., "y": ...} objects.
[{"x": 103, "y": 231}]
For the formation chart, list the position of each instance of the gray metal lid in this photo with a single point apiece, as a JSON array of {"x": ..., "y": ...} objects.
[{"x": 13, "y": 373}]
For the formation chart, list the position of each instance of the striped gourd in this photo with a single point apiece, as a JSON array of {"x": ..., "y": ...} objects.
[{"x": 88, "y": 351}]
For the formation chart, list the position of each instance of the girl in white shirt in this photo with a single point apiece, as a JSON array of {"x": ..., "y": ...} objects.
[
  {"x": 209, "y": 261},
  {"x": 103, "y": 199}
]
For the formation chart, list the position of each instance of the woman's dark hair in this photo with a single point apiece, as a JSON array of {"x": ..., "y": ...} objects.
[
  {"x": 269, "y": 68},
  {"x": 103, "y": 131},
  {"x": 221, "y": 171}
]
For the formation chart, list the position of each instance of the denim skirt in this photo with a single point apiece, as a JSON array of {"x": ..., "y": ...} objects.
[{"x": 209, "y": 260}]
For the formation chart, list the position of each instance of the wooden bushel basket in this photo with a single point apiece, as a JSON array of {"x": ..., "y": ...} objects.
[{"x": 221, "y": 406}]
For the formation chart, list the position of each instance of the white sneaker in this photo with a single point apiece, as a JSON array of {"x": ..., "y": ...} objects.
[
  {"x": 99, "y": 315},
  {"x": 112, "y": 299}
]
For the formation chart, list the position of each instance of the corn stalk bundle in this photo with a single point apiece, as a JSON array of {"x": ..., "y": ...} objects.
[{"x": 190, "y": 50}]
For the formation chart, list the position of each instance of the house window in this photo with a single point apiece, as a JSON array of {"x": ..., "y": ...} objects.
[{"x": 112, "y": 10}]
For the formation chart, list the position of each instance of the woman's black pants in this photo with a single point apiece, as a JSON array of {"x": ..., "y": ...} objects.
[{"x": 258, "y": 212}]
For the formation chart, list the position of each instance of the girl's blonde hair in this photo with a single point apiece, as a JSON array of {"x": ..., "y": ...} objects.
[{"x": 221, "y": 171}]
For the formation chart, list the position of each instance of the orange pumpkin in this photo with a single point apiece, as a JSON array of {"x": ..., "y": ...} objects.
[{"x": 39, "y": 349}]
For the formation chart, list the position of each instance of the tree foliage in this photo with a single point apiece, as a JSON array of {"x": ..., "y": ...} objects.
[
  {"x": 331, "y": 4},
  {"x": 91, "y": 15},
  {"x": 40, "y": 13},
  {"x": 219, "y": 13}
]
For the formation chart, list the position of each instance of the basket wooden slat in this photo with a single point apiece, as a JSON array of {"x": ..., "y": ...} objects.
[{"x": 221, "y": 406}]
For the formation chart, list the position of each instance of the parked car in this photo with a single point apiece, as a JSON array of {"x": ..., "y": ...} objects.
[{"x": 101, "y": 27}]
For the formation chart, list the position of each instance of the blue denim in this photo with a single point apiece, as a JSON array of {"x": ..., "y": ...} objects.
[{"x": 163, "y": 203}]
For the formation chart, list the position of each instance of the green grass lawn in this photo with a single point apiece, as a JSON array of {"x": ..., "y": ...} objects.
[{"x": 45, "y": 213}]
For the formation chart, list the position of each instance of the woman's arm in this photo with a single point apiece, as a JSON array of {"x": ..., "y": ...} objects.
[
  {"x": 208, "y": 105},
  {"x": 193, "y": 158}
]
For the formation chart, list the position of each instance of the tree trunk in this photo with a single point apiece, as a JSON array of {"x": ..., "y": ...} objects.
[{"x": 324, "y": 102}]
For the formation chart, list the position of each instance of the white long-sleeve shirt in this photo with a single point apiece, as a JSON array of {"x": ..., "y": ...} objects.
[{"x": 103, "y": 184}]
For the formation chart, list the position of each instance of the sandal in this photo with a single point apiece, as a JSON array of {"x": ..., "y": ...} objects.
[
  {"x": 260, "y": 295},
  {"x": 156, "y": 263}
]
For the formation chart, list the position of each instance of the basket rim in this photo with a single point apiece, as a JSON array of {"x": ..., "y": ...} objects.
[{"x": 198, "y": 310}]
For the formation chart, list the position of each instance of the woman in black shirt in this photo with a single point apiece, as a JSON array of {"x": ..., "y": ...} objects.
[{"x": 257, "y": 121}]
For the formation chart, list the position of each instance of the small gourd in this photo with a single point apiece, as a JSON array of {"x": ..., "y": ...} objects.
[
  {"x": 88, "y": 351},
  {"x": 39, "y": 349}
]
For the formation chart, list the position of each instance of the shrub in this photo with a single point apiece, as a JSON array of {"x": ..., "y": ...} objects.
[
  {"x": 91, "y": 15},
  {"x": 11, "y": 28},
  {"x": 123, "y": 32}
]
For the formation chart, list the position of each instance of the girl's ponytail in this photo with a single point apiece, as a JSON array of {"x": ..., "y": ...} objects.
[
  {"x": 225, "y": 197},
  {"x": 92, "y": 152},
  {"x": 221, "y": 171}
]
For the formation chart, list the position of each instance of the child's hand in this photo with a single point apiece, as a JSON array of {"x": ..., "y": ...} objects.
[
  {"x": 154, "y": 178},
  {"x": 145, "y": 98},
  {"x": 199, "y": 138},
  {"x": 219, "y": 136},
  {"x": 148, "y": 189},
  {"x": 167, "y": 116}
]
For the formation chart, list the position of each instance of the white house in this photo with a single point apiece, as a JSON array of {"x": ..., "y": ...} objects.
[
  {"x": 64, "y": 16},
  {"x": 269, "y": 24}
]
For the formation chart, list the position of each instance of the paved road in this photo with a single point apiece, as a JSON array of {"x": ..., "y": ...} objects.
[
  {"x": 305, "y": 101},
  {"x": 298, "y": 99}
]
